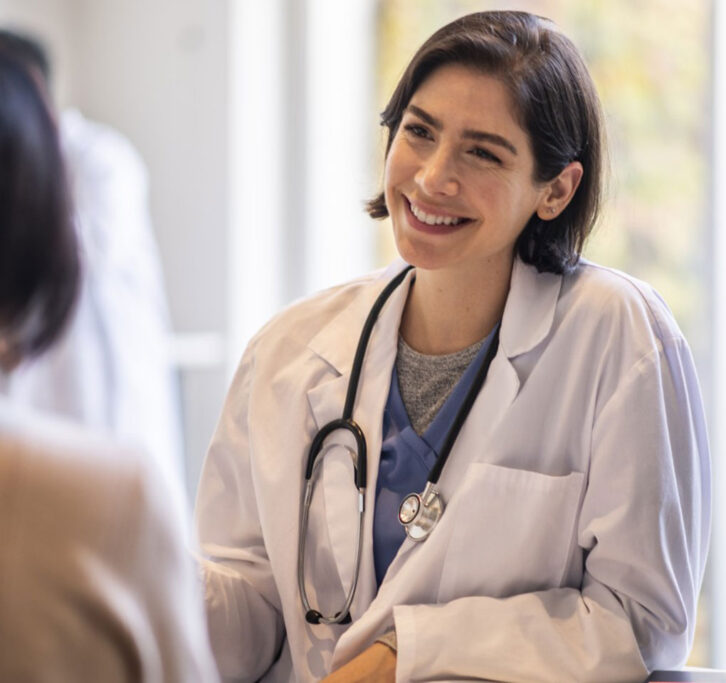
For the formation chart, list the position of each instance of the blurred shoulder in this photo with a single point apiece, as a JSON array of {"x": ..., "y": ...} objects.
[
  {"x": 96, "y": 151},
  {"x": 58, "y": 460}
]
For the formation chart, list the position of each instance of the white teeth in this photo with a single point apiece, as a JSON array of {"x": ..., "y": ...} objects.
[{"x": 432, "y": 219}]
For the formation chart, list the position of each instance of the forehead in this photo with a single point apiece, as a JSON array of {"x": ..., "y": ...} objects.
[{"x": 462, "y": 96}]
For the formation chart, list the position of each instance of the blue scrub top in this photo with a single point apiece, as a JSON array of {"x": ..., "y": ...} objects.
[{"x": 407, "y": 459}]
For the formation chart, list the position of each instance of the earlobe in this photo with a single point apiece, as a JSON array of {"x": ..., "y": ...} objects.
[{"x": 560, "y": 191}]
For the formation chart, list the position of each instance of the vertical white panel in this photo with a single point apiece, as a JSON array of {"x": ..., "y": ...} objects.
[
  {"x": 256, "y": 187},
  {"x": 157, "y": 71},
  {"x": 341, "y": 125}
]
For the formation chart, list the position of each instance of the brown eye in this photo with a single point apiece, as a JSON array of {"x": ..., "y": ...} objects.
[
  {"x": 485, "y": 154},
  {"x": 418, "y": 131}
]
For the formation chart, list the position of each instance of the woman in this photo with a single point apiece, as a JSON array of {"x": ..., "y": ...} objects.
[
  {"x": 572, "y": 516},
  {"x": 95, "y": 582}
]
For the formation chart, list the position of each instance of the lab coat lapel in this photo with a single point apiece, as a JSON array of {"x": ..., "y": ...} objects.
[
  {"x": 528, "y": 317},
  {"x": 527, "y": 320},
  {"x": 336, "y": 345}
]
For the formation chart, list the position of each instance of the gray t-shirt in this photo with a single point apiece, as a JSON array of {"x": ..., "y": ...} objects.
[{"x": 427, "y": 381}]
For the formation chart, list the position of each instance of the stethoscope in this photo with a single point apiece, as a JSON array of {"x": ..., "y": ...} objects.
[{"x": 419, "y": 513}]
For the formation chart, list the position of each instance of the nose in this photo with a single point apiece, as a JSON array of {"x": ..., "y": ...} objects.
[{"x": 437, "y": 174}]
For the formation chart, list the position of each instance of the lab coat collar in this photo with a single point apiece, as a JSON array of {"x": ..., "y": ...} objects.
[
  {"x": 528, "y": 314},
  {"x": 336, "y": 342},
  {"x": 530, "y": 308}
]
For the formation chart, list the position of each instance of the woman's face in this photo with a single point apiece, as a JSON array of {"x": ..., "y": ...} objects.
[{"x": 459, "y": 175}]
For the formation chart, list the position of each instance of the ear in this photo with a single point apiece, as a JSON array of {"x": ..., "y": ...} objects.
[{"x": 559, "y": 191}]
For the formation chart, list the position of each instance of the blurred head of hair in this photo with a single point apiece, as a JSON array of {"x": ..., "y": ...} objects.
[
  {"x": 28, "y": 50},
  {"x": 553, "y": 98},
  {"x": 39, "y": 261}
]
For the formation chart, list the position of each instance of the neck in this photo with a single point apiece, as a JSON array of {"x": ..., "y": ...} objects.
[{"x": 448, "y": 310}]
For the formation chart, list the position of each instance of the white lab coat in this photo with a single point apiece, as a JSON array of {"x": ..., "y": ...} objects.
[
  {"x": 573, "y": 543},
  {"x": 111, "y": 369}
]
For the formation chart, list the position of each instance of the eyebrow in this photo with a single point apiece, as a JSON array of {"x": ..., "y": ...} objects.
[{"x": 471, "y": 134}]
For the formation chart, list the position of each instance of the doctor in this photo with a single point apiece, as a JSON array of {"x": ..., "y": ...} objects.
[{"x": 565, "y": 536}]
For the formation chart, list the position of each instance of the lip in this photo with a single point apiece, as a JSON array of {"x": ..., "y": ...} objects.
[
  {"x": 436, "y": 210},
  {"x": 441, "y": 229}
]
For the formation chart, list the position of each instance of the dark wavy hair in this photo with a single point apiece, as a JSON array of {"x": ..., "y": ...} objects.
[
  {"x": 39, "y": 260},
  {"x": 556, "y": 104}
]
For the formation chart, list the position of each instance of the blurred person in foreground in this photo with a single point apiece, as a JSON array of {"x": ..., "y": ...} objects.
[
  {"x": 95, "y": 581},
  {"x": 111, "y": 368}
]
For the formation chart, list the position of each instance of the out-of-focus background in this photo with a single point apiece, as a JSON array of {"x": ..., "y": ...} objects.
[{"x": 258, "y": 125}]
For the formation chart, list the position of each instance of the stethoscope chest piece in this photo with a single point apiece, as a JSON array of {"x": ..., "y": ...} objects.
[{"x": 419, "y": 513}]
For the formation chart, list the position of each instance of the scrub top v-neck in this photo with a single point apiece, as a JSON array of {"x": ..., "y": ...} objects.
[{"x": 407, "y": 459}]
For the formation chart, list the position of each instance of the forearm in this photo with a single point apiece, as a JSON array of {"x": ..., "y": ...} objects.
[
  {"x": 555, "y": 635},
  {"x": 245, "y": 630}
]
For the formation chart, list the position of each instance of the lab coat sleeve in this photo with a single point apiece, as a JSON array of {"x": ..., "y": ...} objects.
[
  {"x": 643, "y": 528},
  {"x": 243, "y": 607}
]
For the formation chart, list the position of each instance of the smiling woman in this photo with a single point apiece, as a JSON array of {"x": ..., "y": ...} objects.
[
  {"x": 546, "y": 409},
  {"x": 458, "y": 189}
]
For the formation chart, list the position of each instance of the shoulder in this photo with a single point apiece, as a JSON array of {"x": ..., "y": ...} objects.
[
  {"x": 108, "y": 530},
  {"x": 299, "y": 322},
  {"x": 72, "y": 470},
  {"x": 100, "y": 506},
  {"x": 96, "y": 152},
  {"x": 604, "y": 298},
  {"x": 36, "y": 434}
]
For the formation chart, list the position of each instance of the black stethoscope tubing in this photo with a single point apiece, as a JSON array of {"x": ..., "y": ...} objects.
[
  {"x": 346, "y": 422},
  {"x": 464, "y": 409}
]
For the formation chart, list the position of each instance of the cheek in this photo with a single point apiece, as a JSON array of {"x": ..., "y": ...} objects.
[{"x": 399, "y": 167}]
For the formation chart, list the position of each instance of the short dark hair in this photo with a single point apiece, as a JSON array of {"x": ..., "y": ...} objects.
[
  {"x": 26, "y": 49},
  {"x": 556, "y": 104},
  {"x": 39, "y": 260}
]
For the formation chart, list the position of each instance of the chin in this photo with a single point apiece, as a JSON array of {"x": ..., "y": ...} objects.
[{"x": 422, "y": 255}]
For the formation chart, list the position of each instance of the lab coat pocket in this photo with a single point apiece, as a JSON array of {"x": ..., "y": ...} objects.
[{"x": 511, "y": 531}]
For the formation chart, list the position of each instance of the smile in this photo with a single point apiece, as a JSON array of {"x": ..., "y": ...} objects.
[{"x": 434, "y": 219}]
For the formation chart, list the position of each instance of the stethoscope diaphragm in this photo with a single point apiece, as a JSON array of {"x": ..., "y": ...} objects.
[{"x": 420, "y": 512}]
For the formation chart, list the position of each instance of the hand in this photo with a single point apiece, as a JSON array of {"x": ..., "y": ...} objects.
[{"x": 377, "y": 664}]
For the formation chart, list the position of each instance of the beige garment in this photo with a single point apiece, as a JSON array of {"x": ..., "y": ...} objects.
[{"x": 95, "y": 582}]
